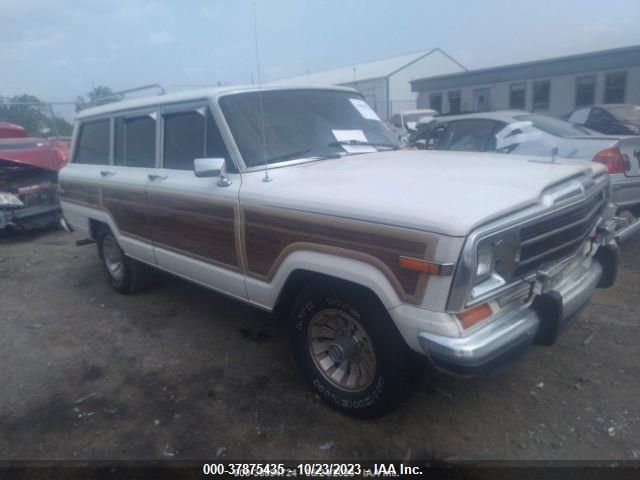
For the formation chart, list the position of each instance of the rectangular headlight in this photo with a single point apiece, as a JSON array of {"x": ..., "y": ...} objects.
[{"x": 10, "y": 200}]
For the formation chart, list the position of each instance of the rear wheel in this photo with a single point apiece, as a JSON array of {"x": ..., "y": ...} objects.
[
  {"x": 124, "y": 274},
  {"x": 350, "y": 351}
]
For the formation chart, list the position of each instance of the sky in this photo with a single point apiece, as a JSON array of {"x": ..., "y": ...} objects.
[{"x": 59, "y": 49}]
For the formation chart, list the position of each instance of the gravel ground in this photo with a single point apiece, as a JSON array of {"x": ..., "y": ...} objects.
[{"x": 179, "y": 372}]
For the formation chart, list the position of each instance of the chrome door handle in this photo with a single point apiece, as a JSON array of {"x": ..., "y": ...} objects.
[
  {"x": 153, "y": 176},
  {"x": 107, "y": 173}
]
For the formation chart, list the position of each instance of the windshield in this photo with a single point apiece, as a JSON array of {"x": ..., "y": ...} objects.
[
  {"x": 301, "y": 124},
  {"x": 554, "y": 126},
  {"x": 625, "y": 112}
]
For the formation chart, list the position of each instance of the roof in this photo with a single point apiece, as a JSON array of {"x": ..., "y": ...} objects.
[
  {"x": 381, "y": 68},
  {"x": 194, "y": 95},
  {"x": 585, "y": 62}
]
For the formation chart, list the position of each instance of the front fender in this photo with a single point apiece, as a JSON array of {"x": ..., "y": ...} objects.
[{"x": 265, "y": 293}]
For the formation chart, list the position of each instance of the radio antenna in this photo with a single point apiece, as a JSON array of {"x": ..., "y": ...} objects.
[{"x": 266, "y": 178}]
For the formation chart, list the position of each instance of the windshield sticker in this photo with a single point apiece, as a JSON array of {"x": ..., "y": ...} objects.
[
  {"x": 515, "y": 133},
  {"x": 353, "y": 136},
  {"x": 364, "y": 109}
]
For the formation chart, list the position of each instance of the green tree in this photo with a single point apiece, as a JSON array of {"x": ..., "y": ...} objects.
[
  {"x": 97, "y": 96},
  {"x": 34, "y": 115}
]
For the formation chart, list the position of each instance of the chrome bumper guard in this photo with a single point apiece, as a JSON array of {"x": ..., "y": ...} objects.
[
  {"x": 511, "y": 334},
  {"x": 628, "y": 231}
]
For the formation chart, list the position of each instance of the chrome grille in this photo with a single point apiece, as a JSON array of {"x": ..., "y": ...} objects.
[{"x": 559, "y": 235}]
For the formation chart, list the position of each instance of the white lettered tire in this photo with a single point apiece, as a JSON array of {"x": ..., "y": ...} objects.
[{"x": 349, "y": 350}]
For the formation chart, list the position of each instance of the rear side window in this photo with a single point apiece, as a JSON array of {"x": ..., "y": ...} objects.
[
  {"x": 93, "y": 143},
  {"x": 135, "y": 142},
  {"x": 190, "y": 135}
]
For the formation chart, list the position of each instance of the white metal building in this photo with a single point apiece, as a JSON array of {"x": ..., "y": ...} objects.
[
  {"x": 555, "y": 86},
  {"x": 385, "y": 83}
]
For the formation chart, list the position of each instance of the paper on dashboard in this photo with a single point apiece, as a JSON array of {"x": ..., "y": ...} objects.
[
  {"x": 351, "y": 135},
  {"x": 364, "y": 109}
]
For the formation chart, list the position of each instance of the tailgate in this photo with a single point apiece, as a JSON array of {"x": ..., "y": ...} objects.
[{"x": 630, "y": 146}]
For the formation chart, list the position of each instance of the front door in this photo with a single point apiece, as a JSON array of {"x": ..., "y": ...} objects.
[{"x": 193, "y": 220}]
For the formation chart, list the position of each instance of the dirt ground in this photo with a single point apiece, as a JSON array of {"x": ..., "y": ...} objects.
[{"x": 179, "y": 372}]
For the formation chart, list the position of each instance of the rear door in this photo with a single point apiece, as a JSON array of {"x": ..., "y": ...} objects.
[
  {"x": 194, "y": 220},
  {"x": 98, "y": 178},
  {"x": 124, "y": 182}
]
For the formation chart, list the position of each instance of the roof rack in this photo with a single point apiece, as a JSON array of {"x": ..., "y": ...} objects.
[{"x": 120, "y": 95}]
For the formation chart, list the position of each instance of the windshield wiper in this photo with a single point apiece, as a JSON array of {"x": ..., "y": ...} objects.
[
  {"x": 340, "y": 143},
  {"x": 300, "y": 154}
]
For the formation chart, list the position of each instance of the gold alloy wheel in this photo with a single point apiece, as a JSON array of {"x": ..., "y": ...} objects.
[{"x": 341, "y": 350}]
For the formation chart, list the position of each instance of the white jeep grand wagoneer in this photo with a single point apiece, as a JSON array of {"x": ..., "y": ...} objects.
[{"x": 377, "y": 254}]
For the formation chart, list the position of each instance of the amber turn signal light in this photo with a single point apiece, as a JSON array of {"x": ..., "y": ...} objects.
[
  {"x": 475, "y": 315},
  {"x": 426, "y": 267}
]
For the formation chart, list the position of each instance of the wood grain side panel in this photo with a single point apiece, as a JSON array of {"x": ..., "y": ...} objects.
[
  {"x": 194, "y": 226},
  {"x": 268, "y": 235},
  {"x": 128, "y": 209},
  {"x": 86, "y": 193}
]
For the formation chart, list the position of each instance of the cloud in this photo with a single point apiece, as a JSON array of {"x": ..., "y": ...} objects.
[{"x": 160, "y": 38}]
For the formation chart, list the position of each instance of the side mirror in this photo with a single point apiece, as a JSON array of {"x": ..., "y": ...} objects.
[
  {"x": 208, "y": 167},
  {"x": 211, "y": 167}
]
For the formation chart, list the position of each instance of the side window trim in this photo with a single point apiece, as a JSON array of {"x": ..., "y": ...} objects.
[{"x": 225, "y": 132}]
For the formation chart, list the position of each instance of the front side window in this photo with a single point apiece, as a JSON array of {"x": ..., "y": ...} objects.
[
  {"x": 189, "y": 135},
  {"x": 135, "y": 141},
  {"x": 435, "y": 102},
  {"x": 541, "y": 94},
  {"x": 517, "y": 96},
  {"x": 301, "y": 124},
  {"x": 585, "y": 90},
  {"x": 455, "y": 103},
  {"x": 184, "y": 139},
  {"x": 93, "y": 143},
  {"x": 614, "y": 87}
]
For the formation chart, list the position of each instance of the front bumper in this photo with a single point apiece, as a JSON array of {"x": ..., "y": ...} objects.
[
  {"x": 30, "y": 217},
  {"x": 538, "y": 322}
]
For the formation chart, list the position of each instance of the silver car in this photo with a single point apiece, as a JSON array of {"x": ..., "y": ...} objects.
[{"x": 524, "y": 133}]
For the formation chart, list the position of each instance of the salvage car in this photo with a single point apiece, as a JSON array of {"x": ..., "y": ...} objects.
[
  {"x": 408, "y": 121},
  {"x": 298, "y": 200},
  {"x": 613, "y": 119},
  {"x": 518, "y": 132},
  {"x": 29, "y": 179}
]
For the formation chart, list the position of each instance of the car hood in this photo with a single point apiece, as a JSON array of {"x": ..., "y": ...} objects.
[
  {"x": 442, "y": 192},
  {"x": 35, "y": 152}
]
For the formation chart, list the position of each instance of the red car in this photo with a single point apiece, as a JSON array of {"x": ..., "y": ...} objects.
[{"x": 29, "y": 178}]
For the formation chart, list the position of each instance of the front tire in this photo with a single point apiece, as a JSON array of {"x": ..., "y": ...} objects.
[
  {"x": 124, "y": 274},
  {"x": 350, "y": 351}
]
